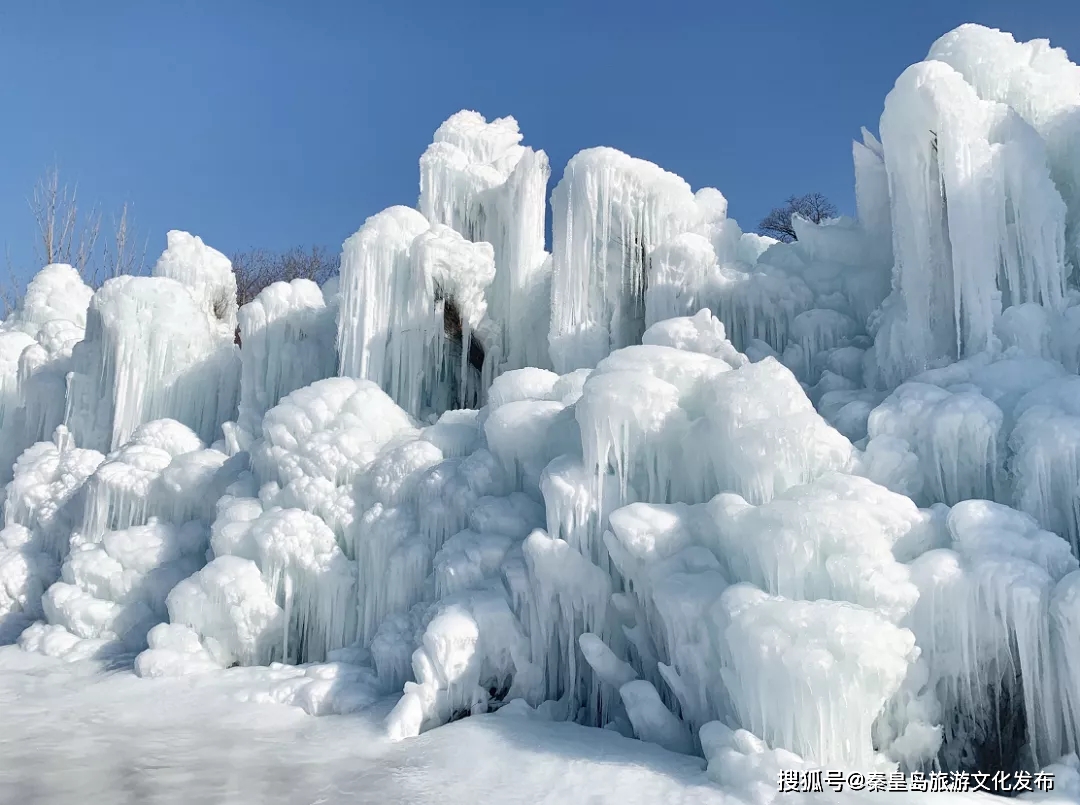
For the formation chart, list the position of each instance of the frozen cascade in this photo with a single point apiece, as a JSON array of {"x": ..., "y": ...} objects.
[
  {"x": 1004, "y": 427},
  {"x": 144, "y": 527},
  {"x": 609, "y": 212},
  {"x": 1046, "y": 460},
  {"x": 796, "y": 679},
  {"x": 173, "y": 363},
  {"x": 288, "y": 334},
  {"x": 479, "y": 180},
  {"x": 375, "y": 270},
  {"x": 413, "y": 315},
  {"x": 1041, "y": 84},
  {"x": 672, "y": 536},
  {"x": 997, "y": 580},
  {"x": 36, "y": 342},
  {"x": 977, "y": 221}
]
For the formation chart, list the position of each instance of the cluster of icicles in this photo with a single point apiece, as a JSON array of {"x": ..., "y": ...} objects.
[{"x": 780, "y": 504}]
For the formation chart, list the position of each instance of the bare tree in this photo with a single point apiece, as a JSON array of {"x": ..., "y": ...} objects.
[
  {"x": 258, "y": 268},
  {"x": 63, "y": 236},
  {"x": 66, "y": 235},
  {"x": 812, "y": 206},
  {"x": 122, "y": 255}
]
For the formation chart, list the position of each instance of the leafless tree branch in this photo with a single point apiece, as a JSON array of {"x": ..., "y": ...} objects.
[
  {"x": 258, "y": 268},
  {"x": 814, "y": 207},
  {"x": 64, "y": 235}
]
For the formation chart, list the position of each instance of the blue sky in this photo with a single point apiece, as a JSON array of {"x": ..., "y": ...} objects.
[{"x": 265, "y": 123}]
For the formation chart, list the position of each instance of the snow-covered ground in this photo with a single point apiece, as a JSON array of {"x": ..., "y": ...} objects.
[
  {"x": 75, "y": 734},
  {"x": 84, "y": 733}
]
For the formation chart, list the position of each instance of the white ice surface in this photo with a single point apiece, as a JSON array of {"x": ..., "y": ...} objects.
[{"x": 72, "y": 733}]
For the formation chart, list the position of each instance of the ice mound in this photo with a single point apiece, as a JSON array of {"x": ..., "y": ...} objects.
[
  {"x": 841, "y": 538},
  {"x": 43, "y": 505},
  {"x": 702, "y": 332},
  {"x": 222, "y": 614},
  {"x": 291, "y": 518},
  {"x": 1001, "y": 427},
  {"x": 143, "y": 527}
]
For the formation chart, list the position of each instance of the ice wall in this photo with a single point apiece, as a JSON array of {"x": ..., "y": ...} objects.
[
  {"x": 1041, "y": 85},
  {"x": 36, "y": 342},
  {"x": 413, "y": 315},
  {"x": 288, "y": 334},
  {"x": 158, "y": 347},
  {"x": 479, "y": 180},
  {"x": 608, "y": 212},
  {"x": 977, "y": 221}
]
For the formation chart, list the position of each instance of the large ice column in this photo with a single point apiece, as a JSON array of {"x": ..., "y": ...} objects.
[
  {"x": 1041, "y": 84},
  {"x": 36, "y": 341},
  {"x": 609, "y": 212},
  {"x": 206, "y": 273},
  {"x": 983, "y": 620},
  {"x": 977, "y": 221},
  {"x": 478, "y": 179},
  {"x": 452, "y": 276},
  {"x": 151, "y": 352},
  {"x": 413, "y": 311},
  {"x": 12, "y": 345},
  {"x": 288, "y": 335},
  {"x": 872, "y": 192},
  {"x": 376, "y": 269}
]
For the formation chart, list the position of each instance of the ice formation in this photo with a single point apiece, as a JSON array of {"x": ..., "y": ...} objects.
[
  {"x": 477, "y": 179},
  {"x": 786, "y": 506}
]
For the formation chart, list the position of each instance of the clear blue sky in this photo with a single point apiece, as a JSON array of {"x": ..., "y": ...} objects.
[{"x": 265, "y": 123}]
